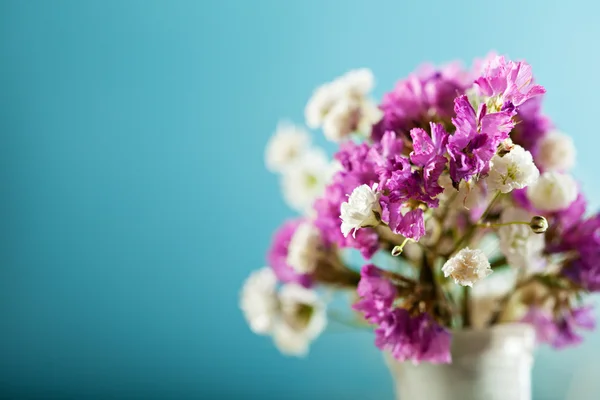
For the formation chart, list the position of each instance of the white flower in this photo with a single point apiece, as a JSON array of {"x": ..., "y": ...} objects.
[
  {"x": 286, "y": 146},
  {"x": 358, "y": 82},
  {"x": 467, "y": 267},
  {"x": 515, "y": 170},
  {"x": 350, "y": 115},
  {"x": 290, "y": 342},
  {"x": 322, "y": 100},
  {"x": 556, "y": 152},
  {"x": 519, "y": 244},
  {"x": 350, "y": 87},
  {"x": 361, "y": 210},
  {"x": 304, "y": 248},
  {"x": 303, "y": 318},
  {"x": 305, "y": 180},
  {"x": 258, "y": 300},
  {"x": 342, "y": 119},
  {"x": 553, "y": 191}
]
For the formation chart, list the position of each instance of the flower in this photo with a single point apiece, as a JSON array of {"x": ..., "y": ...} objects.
[
  {"x": 258, "y": 300},
  {"x": 358, "y": 82},
  {"x": 278, "y": 254},
  {"x": 556, "y": 152},
  {"x": 361, "y": 210},
  {"x": 561, "y": 332},
  {"x": 305, "y": 180},
  {"x": 477, "y": 136},
  {"x": 514, "y": 170},
  {"x": 303, "y": 318},
  {"x": 286, "y": 146},
  {"x": 328, "y": 222},
  {"x": 507, "y": 82},
  {"x": 429, "y": 91},
  {"x": 583, "y": 238},
  {"x": 303, "y": 248},
  {"x": 350, "y": 88},
  {"x": 342, "y": 119},
  {"x": 518, "y": 243},
  {"x": 418, "y": 339},
  {"x": 467, "y": 267},
  {"x": 553, "y": 191},
  {"x": 377, "y": 294},
  {"x": 321, "y": 102}
]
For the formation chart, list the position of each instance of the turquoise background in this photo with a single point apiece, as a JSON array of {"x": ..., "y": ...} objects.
[{"x": 135, "y": 199}]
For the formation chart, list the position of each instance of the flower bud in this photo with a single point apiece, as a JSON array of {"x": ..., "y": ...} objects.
[
  {"x": 538, "y": 224},
  {"x": 397, "y": 250}
]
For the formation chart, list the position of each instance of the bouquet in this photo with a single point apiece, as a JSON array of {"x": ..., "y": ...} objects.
[{"x": 456, "y": 192}]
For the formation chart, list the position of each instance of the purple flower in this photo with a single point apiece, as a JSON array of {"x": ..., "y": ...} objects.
[
  {"x": 410, "y": 225},
  {"x": 584, "y": 238},
  {"x": 426, "y": 93},
  {"x": 544, "y": 326},
  {"x": 531, "y": 125},
  {"x": 566, "y": 335},
  {"x": 511, "y": 82},
  {"x": 562, "y": 332},
  {"x": 427, "y": 149},
  {"x": 377, "y": 294},
  {"x": 477, "y": 136},
  {"x": 278, "y": 252},
  {"x": 418, "y": 339}
]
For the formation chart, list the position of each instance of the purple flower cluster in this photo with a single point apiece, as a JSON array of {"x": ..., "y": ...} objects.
[
  {"x": 583, "y": 237},
  {"x": 561, "y": 332},
  {"x": 417, "y": 338},
  {"x": 425, "y": 93}
]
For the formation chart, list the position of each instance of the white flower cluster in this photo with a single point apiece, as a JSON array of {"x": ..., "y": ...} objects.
[
  {"x": 304, "y": 169},
  {"x": 294, "y": 316},
  {"x": 341, "y": 107}
]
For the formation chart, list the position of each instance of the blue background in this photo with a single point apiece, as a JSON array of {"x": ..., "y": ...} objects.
[{"x": 135, "y": 199}]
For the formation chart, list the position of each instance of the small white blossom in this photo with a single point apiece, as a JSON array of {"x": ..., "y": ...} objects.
[
  {"x": 342, "y": 99},
  {"x": 258, "y": 300},
  {"x": 321, "y": 102},
  {"x": 305, "y": 180},
  {"x": 358, "y": 82},
  {"x": 303, "y": 318},
  {"x": 342, "y": 119},
  {"x": 361, "y": 210},
  {"x": 553, "y": 191},
  {"x": 518, "y": 243},
  {"x": 556, "y": 152},
  {"x": 290, "y": 342},
  {"x": 304, "y": 248},
  {"x": 515, "y": 170},
  {"x": 467, "y": 267},
  {"x": 286, "y": 146},
  {"x": 350, "y": 115}
]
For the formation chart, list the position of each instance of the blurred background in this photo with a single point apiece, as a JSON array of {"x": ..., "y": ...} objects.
[{"x": 135, "y": 200}]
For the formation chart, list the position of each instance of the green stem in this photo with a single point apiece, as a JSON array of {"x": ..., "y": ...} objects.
[
  {"x": 466, "y": 307},
  {"x": 469, "y": 234}
]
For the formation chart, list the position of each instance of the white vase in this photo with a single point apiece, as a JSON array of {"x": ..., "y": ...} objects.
[{"x": 489, "y": 364}]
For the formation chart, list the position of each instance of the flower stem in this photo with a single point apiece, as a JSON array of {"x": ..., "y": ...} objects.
[
  {"x": 469, "y": 234},
  {"x": 466, "y": 307}
]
